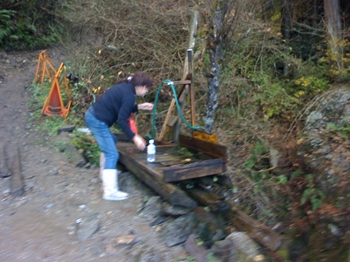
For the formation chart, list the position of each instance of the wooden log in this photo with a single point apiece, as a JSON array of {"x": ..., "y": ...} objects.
[
  {"x": 195, "y": 170},
  {"x": 209, "y": 199},
  {"x": 256, "y": 230}
]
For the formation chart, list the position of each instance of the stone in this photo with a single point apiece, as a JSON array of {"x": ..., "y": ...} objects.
[{"x": 86, "y": 227}]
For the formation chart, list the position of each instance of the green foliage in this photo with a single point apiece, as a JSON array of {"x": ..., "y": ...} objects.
[
  {"x": 26, "y": 25},
  {"x": 282, "y": 179},
  {"x": 5, "y": 24},
  {"x": 184, "y": 151},
  {"x": 50, "y": 124},
  {"x": 211, "y": 258},
  {"x": 342, "y": 131},
  {"x": 312, "y": 193},
  {"x": 278, "y": 80},
  {"x": 273, "y": 98},
  {"x": 308, "y": 86},
  {"x": 337, "y": 58},
  {"x": 257, "y": 153},
  {"x": 88, "y": 146},
  {"x": 190, "y": 259}
]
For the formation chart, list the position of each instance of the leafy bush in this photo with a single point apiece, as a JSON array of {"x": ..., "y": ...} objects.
[{"x": 27, "y": 25}]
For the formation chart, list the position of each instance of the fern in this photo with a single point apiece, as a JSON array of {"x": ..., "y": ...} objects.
[{"x": 3, "y": 33}]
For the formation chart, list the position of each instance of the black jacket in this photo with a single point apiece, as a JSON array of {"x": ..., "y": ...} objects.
[{"x": 116, "y": 105}]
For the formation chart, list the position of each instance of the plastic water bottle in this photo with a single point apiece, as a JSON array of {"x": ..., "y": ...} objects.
[{"x": 151, "y": 151}]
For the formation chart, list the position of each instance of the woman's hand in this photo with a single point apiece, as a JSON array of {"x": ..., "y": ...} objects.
[
  {"x": 139, "y": 142},
  {"x": 145, "y": 106}
]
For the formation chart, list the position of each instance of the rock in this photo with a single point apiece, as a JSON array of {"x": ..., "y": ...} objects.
[
  {"x": 74, "y": 156},
  {"x": 239, "y": 247},
  {"x": 176, "y": 232},
  {"x": 147, "y": 254},
  {"x": 224, "y": 251},
  {"x": 323, "y": 146},
  {"x": 86, "y": 227},
  {"x": 152, "y": 207},
  {"x": 197, "y": 251},
  {"x": 68, "y": 128},
  {"x": 173, "y": 210},
  {"x": 128, "y": 240},
  {"x": 62, "y": 141},
  {"x": 159, "y": 220}
]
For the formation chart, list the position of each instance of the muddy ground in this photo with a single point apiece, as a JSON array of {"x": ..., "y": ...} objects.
[{"x": 41, "y": 224}]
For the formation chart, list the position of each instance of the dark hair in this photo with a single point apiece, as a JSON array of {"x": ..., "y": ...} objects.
[{"x": 138, "y": 79}]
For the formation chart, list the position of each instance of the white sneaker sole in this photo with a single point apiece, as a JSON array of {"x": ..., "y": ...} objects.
[{"x": 111, "y": 198}]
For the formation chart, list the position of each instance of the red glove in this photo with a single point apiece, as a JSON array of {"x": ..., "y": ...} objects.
[{"x": 132, "y": 124}]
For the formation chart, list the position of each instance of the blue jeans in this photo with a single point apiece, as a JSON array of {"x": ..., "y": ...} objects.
[{"x": 106, "y": 140}]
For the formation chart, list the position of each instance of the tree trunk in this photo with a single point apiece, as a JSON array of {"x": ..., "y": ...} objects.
[
  {"x": 333, "y": 25},
  {"x": 216, "y": 40},
  {"x": 286, "y": 28}
]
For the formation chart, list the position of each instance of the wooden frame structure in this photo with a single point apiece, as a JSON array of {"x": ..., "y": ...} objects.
[
  {"x": 44, "y": 69},
  {"x": 54, "y": 104},
  {"x": 170, "y": 166}
]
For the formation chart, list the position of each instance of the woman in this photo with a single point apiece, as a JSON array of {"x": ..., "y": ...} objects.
[{"x": 116, "y": 105}]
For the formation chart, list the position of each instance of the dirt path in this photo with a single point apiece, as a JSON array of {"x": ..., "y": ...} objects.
[{"x": 41, "y": 224}]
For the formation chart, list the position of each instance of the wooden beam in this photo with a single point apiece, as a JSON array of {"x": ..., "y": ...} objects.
[
  {"x": 160, "y": 148},
  {"x": 195, "y": 170},
  {"x": 210, "y": 149}
]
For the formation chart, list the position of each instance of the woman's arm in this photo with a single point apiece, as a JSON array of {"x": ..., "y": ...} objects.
[{"x": 145, "y": 106}]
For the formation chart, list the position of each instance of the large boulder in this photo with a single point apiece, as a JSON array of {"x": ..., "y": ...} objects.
[{"x": 324, "y": 146}]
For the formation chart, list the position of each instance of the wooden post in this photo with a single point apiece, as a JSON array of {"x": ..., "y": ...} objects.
[
  {"x": 183, "y": 95},
  {"x": 172, "y": 108},
  {"x": 13, "y": 165}
]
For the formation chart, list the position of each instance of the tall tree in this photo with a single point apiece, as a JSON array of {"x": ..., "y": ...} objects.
[
  {"x": 223, "y": 22},
  {"x": 287, "y": 26},
  {"x": 334, "y": 29}
]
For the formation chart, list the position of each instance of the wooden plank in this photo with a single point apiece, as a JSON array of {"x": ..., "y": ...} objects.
[
  {"x": 159, "y": 148},
  {"x": 150, "y": 174},
  {"x": 182, "y": 101},
  {"x": 122, "y": 137},
  {"x": 195, "y": 170},
  {"x": 173, "y": 120},
  {"x": 208, "y": 148}
]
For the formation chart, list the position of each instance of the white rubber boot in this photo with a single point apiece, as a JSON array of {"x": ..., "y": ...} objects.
[
  {"x": 103, "y": 163},
  {"x": 110, "y": 186}
]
